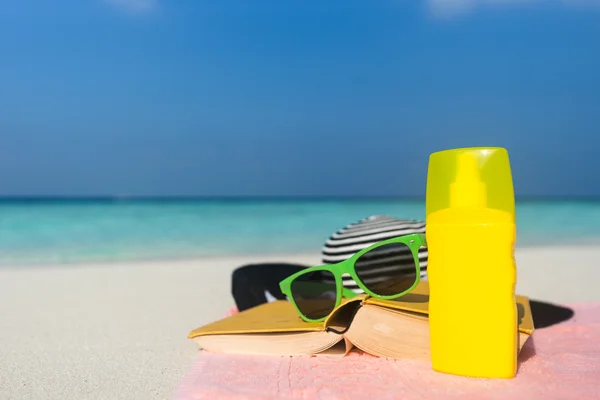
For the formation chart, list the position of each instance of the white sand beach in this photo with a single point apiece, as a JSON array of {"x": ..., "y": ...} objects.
[{"x": 118, "y": 331}]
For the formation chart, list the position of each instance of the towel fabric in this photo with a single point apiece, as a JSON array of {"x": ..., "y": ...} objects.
[{"x": 558, "y": 362}]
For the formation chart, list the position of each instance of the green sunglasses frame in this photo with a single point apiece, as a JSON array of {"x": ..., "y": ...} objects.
[{"x": 413, "y": 241}]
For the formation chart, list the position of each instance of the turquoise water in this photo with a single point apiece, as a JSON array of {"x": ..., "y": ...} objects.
[{"x": 33, "y": 232}]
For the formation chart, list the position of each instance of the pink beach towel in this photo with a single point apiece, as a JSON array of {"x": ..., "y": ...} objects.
[{"x": 557, "y": 362}]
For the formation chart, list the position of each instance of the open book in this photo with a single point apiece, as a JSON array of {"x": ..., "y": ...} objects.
[{"x": 386, "y": 328}]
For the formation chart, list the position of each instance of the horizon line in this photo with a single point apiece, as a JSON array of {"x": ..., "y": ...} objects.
[{"x": 112, "y": 198}]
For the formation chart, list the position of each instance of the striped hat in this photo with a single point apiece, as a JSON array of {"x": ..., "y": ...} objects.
[{"x": 361, "y": 234}]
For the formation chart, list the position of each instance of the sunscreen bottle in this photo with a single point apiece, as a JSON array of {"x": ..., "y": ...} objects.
[{"x": 471, "y": 232}]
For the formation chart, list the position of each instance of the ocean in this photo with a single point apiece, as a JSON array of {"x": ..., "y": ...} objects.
[{"x": 50, "y": 231}]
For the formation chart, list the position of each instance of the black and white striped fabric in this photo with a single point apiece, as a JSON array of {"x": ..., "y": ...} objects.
[{"x": 354, "y": 237}]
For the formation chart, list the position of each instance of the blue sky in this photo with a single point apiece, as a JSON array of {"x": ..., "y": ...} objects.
[{"x": 294, "y": 97}]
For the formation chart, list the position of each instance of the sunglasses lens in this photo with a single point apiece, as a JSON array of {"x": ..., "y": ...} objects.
[
  {"x": 387, "y": 270},
  {"x": 315, "y": 294}
]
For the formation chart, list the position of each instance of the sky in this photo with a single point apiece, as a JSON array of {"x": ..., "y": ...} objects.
[{"x": 294, "y": 97}]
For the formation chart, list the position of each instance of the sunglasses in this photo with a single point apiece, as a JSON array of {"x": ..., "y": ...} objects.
[{"x": 386, "y": 270}]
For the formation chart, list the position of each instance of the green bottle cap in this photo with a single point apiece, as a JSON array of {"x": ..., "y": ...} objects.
[{"x": 470, "y": 178}]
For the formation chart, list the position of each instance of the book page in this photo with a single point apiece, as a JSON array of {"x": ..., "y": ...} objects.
[
  {"x": 341, "y": 318},
  {"x": 339, "y": 350},
  {"x": 273, "y": 317},
  {"x": 418, "y": 301}
]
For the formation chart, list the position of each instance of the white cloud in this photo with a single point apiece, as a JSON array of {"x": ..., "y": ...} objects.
[
  {"x": 135, "y": 6},
  {"x": 453, "y": 8}
]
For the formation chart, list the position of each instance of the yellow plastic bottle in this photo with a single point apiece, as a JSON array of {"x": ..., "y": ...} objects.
[{"x": 471, "y": 232}]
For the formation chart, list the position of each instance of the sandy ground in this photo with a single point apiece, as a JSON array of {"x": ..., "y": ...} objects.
[{"x": 118, "y": 331}]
